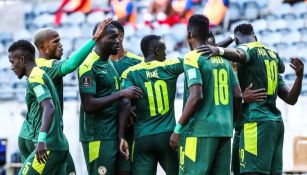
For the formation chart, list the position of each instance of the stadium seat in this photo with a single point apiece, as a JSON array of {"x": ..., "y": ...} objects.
[
  {"x": 5, "y": 37},
  {"x": 277, "y": 24},
  {"x": 291, "y": 37},
  {"x": 299, "y": 8},
  {"x": 299, "y": 156},
  {"x": 163, "y": 30},
  {"x": 143, "y": 30},
  {"x": 44, "y": 20},
  {"x": 22, "y": 34},
  {"x": 282, "y": 9},
  {"x": 259, "y": 24},
  {"x": 179, "y": 32},
  {"x": 296, "y": 24},
  {"x": 95, "y": 17},
  {"x": 251, "y": 10},
  {"x": 76, "y": 18},
  {"x": 129, "y": 30}
]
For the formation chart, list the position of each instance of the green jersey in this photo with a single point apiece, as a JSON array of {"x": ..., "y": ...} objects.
[
  {"x": 40, "y": 87},
  {"x": 261, "y": 69},
  {"x": 129, "y": 60},
  {"x": 53, "y": 69},
  {"x": 99, "y": 78},
  {"x": 214, "y": 118},
  {"x": 157, "y": 80}
]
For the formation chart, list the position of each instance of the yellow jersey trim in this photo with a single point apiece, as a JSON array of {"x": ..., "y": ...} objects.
[
  {"x": 88, "y": 63},
  {"x": 132, "y": 55},
  {"x": 36, "y": 76},
  {"x": 192, "y": 58},
  {"x": 43, "y": 62},
  {"x": 150, "y": 65}
]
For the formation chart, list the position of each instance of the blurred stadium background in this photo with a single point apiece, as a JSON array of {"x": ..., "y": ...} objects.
[{"x": 278, "y": 24}]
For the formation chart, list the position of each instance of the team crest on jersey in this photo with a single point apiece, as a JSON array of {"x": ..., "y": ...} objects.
[
  {"x": 102, "y": 170},
  {"x": 86, "y": 81}
]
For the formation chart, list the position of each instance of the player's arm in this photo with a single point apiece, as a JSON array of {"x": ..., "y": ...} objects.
[
  {"x": 91, "y": 103},
  {"x": 124, "y": 114},
  {"x": 232, "y": 54},
  {"x": 47, "y": 118},
  {"x": 194, "y": 80},
  {"x": 226, "y": 42},
  {"x": 79, "y": 56},
  {"x": 43, "y": 97},
  {"x": 291, "y": 96}
]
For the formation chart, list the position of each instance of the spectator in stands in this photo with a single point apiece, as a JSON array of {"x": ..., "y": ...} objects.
[
  {"x": 170, "y": 11},
  {"x": 215, "y": 10},
  {"x": 123, "y": 10}
]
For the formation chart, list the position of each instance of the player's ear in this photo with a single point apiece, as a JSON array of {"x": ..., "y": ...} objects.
[
  {"x": 22, "y": 59},
  {"x": 189, "y": 36}
]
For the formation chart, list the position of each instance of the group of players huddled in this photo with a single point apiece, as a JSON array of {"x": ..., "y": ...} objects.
[{"x": 127, "y": 119}]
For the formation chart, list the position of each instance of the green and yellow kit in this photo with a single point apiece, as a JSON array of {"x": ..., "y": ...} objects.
[
  {"x": 155, "y": 114},
  {"x": 40, "y": 87},
  {"x": 262, "y": 126},
  {"x": 98, "y": 130},
  {"x": 206, "y": 146}
]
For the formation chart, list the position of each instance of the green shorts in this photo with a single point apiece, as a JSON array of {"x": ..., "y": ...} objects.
[
  {"x": 261, "y": 145},
  {"x": 147, "y": 151},
  {"x": 100, "y": 156},
  {"x": 235, "y": 158},
  {"x": 54, "y": 164},
  {"x": 205, "y": 156},
  {"x": 26, "y": 147},
  {"x": 124, "y": 165}
]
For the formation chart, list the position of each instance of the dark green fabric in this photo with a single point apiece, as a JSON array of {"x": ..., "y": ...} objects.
[
  {"x": 157, "y": 80},
  {"x": 214, "y": 117}
]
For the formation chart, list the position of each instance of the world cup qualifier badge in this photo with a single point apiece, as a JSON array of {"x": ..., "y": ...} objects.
[
  {"x": 102, "y": 170},
  {"x": 86, "y": 81}
]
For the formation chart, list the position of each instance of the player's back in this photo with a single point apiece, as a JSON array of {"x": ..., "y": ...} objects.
[
  {"x": 157, "y": 80},
  {"x": 214, "y": 117},
  {"x": 261, "y": 70}
]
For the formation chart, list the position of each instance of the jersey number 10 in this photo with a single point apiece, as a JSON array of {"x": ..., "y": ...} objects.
[
  {"x": 160, "y": 98},
  {"x": 221, "y": 94},
  {"x": 271, "y": 71}
]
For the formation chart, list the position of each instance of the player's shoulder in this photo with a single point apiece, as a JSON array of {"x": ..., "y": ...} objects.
[
  {"x": 42, "y": 62},
  {"x": 134, "y": 56},
  {"x": 192, "y": 58},
  {"x": 132, "y": 69},
  {"x": 37, "y": 76},
  {"x": 88, "y": 63}
]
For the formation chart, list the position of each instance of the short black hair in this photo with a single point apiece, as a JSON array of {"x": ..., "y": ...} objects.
[
  {"x": 119, "y": 26},
  {"x": 146, "y": 43},
  {"x": 96, "y": 26},
  {"x": 245, "y": 29},
  {"x": 27, "y": 48},
  {"x": 210, "y": 35},
  {"x": 198, "y": 25}
]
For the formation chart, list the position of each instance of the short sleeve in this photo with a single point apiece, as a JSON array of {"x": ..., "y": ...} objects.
[
  {"x": 126, "y": 81},
  {"x": 245, "y": 49},
  {"x": 176, "y": 66},
  {"x": 41, "y": 91},
  {"x": 191, "y": 69},
  {"x": 87, "y": 82}
]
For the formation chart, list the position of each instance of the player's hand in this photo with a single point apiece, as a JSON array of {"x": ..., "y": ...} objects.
[
  {"x": 124, "y": 148},
  {"x": 41, "y": 152},
  {"x": 208, "y": 50},
  {"x": 100, "y": 29},
  {"x": 298, "y": 66},
  {"x": 132, "y": 92},
  {"x": 174, "y": 141},
  {"x": 250, "y": 95}
]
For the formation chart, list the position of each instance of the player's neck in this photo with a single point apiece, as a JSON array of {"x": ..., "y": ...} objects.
[
  {"x": 29, "y": 68},
  {"x": 121, "y": 53},
  {"x": 197, "y": 44},
  {"x": 102, "y": 55},
  {"x": 149, "y": 58},
  {"x": 43, "y": 55}
]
